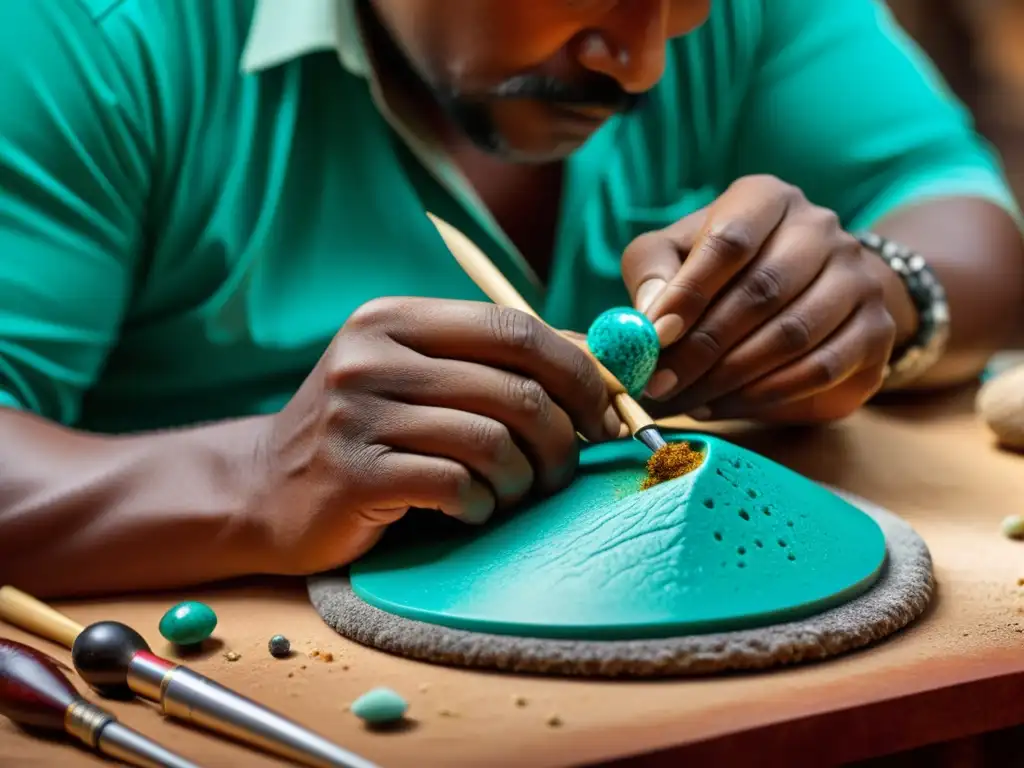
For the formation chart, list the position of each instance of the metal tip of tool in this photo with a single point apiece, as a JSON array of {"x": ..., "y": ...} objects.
[{"x": 651, "y": 437}]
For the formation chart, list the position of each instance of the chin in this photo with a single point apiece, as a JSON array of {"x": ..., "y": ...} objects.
[{"x": 551, "y": 150}]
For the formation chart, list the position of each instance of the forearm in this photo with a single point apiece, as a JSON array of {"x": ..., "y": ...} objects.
[
  {"x": 85, "y": 514},
  {"x": 977, "y": 252}
]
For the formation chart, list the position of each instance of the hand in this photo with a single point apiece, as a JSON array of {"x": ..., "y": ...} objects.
[
  {"x": 461, "y": 407},
  {"x": 766, "y": 308}
]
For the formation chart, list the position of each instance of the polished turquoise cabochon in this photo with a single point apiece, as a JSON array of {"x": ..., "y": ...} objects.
[
  {"x": 626, "y": 343},
  {"x": 741, "y": 542}
]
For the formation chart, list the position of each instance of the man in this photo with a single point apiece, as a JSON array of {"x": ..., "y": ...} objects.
[{"x": 202, "y": 205}]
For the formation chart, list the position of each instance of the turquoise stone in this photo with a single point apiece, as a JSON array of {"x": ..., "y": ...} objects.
[
  {"x": 625, "y": 342},
  {"x": 188, "y": 623},
  {"x": 381, "y": 705}
]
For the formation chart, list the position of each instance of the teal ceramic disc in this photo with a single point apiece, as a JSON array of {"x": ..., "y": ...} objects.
[{"x": 739, "y": 543}]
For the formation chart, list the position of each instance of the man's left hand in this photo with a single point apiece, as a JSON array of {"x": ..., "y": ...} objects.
[{"x": 766, "y": 308}]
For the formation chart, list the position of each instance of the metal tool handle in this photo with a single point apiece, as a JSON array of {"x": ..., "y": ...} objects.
[{"x": 122, "y": 743}]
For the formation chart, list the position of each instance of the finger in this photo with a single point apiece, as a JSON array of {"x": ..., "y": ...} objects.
[
  {"x": 543, "y": 431},
  {"x": 483, "y": 445},
  {"x": 799, "y": 328},
  {"x": 403, "y": 480},
  {"x": 792, "y": 258},
  {"x": 863, "y": 341},
  {"x": 737, "y": 226},
  {"x": 651, "y": 260},
  {"x": 498, "y": 337},
  {"x": 826, "y": 406}
]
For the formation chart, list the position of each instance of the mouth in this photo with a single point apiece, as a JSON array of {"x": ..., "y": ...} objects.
[
  {"x": 578, "y": 122},
  {"x": 580, "y": 113}
]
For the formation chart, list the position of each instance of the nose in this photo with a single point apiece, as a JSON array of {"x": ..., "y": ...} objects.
[{"x": 629, "y": 45}]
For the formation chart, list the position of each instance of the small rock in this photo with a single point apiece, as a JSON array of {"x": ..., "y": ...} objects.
[
  {"x": 291, "y": 674},
  {"x": 314, "y": 653},
  {"x": 188, "y": 623},
  {"x": 326, "y": 656},
  {"x": 520, "y": 701},
  {"x": 1013, "y": 527},
  {"x": 555, "y": 721},
  {"x": 447, "y": 713},
  {"x": 424, "y": 688},
  {"x": 232, "y": 655},
  {"x": 280, "y": 647},
  {"x": 380, "y": 705},
  {"x": 1000, "y": 402}
]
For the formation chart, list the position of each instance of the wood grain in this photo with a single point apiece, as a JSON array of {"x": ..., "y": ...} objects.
[{"x": 956, "y": 672}]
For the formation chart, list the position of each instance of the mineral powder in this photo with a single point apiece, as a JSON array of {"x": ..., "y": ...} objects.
[{"x": 669, "y": 462}]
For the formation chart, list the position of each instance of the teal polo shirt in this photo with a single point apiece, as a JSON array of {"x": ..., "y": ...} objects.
[{"x": 195, "y": 194}]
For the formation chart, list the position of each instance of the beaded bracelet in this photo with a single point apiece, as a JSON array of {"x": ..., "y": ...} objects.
[{"x": 914, "y": 358}]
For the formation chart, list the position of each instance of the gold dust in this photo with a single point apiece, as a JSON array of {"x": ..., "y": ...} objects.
[{"x": 669, "y": 462}]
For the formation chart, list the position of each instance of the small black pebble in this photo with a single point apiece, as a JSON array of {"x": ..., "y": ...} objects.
[{"x": 279, "y": 646}]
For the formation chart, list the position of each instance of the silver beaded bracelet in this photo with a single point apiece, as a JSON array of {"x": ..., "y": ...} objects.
[{"x": 913, "y": 359}]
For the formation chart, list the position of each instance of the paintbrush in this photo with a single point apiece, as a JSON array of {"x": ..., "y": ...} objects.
[{"x": 488, "y": 278}]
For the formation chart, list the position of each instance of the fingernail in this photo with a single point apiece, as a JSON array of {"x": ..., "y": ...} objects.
[
  {"x": 612, "y": 423},
  {"x": 669, "y": 328},
  {"x": 647, "y": 293},
  {"x": 700, "y": 414},
  {"x": 661, "y": 384},
  {"x": 623, "y": 431},
  {"x": 479, "y": 505}
]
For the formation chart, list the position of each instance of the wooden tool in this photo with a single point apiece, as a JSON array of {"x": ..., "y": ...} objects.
[
  {"x": 114, "y": 659},
  {"x": 491, "y": 281},
  {"x": 34, "y": 693}
]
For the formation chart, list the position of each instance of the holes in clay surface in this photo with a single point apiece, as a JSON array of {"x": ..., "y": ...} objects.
[
  {"x": 709, "y": 503},
  {"x": 718, "y": 536},
  {"x": 744, "y": 514}
]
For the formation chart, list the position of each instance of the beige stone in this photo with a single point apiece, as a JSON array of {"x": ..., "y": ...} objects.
[{"x": 1000, "y": 404}]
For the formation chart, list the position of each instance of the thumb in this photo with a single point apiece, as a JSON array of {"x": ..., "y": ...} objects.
[{"x": 652, "y": 260}]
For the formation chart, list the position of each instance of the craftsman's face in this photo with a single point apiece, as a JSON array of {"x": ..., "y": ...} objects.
[{"x": 531, "y": 80}]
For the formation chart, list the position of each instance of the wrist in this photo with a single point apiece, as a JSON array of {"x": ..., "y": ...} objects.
[
  {"x": 225, "y": 480},
  {"x": 897, "y": 300}
]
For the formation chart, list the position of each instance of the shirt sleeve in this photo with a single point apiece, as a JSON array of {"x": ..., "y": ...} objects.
[
  {"x": 844, "y": 105},
  {"x": 72, "y": 191}
]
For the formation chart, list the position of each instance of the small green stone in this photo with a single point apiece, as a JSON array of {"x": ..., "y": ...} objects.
[
  {"x": 381, "y": 705},
  {"x": 188, "y": 623},
  {"x": 280, "y": 647},
  {"x": 625, "y": 342}
]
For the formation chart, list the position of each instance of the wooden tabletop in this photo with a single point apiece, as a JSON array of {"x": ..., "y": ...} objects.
[{"x": 957, "y": 671}]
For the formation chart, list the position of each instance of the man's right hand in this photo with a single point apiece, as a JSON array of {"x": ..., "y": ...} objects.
[{"x": 462, "y": 407}]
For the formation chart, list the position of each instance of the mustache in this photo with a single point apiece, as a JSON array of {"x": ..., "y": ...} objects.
[{"x": 596, "y": 91}]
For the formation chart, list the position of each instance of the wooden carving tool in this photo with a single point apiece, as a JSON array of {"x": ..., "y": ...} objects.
[
  {"x": 34, "y": 693},
  {"x": 114, "y": 659},
  {"x": 488, "y": 278}
]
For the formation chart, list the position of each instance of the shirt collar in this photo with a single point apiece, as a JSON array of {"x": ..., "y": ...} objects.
[{"x": 283, "y": 30}]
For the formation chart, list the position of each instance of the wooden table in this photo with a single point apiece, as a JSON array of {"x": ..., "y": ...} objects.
[{"x": 958, "y": 671}]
